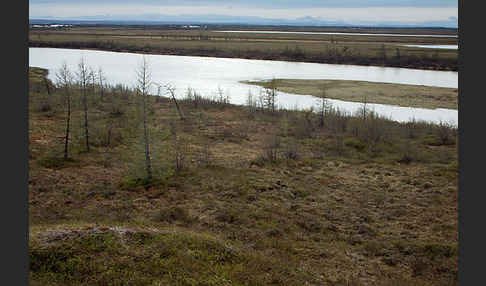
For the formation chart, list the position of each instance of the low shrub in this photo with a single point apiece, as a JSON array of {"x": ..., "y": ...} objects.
[
  {"x": 355, "y": 143},
  {"x": 228, "y": 216},
  {"x": 271, "y": 147},
  {"x": 135, "y": 184},
  {"x": 446, "y": 133},
  {"x": 53, "y": 162},
  {"x": 291, "y": 150},
  {"x": 374, "y": 248},
  {"x": 172, "y": 214}
]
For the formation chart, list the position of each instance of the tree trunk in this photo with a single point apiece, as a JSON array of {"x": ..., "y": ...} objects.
[
  {"x": 86, "y": 133},
  {"x": 64, "y": 80},
  {"x": 47, "y": 86},
  {"x": 171, "y": 90},
  {"x": 66, "y": 141},
  {"x": 108, "y": 141},
  {"x": 143, "y": 87},
  {"x": 102, "y": 90},
  {"x": 148, "y": 165},
  {"x": 84, "y": 76}
]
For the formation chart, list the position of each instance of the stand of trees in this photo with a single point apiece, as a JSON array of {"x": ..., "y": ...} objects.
[{"x": 102, "y": 115}]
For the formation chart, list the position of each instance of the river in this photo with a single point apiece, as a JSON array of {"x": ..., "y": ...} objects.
[{"x": 208, "y": 74}]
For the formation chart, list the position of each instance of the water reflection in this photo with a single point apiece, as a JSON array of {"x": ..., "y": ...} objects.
[{"x": 447, "y": 47}]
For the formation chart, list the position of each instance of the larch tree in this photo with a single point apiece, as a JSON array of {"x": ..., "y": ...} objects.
[
  {"x": 323, "y": 105},
  {"x": 84, "y": 76},
  {"x": 171, "y": 90},
  {"x": 270, "y": 96},
  {"x": 101, "y": 79},
  {"x": 64, "y": 81},
  {"x": 143, "y": 85}
]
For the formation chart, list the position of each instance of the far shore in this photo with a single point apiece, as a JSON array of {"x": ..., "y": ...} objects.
[{"x": 362, "y": 50}]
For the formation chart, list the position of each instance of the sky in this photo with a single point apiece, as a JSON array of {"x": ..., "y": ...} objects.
[{"x": 352, "y": 12}]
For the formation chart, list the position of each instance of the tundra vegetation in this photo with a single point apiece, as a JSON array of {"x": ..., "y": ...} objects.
[
  {"x": 238, "y": 195},
  {"x": 375, "y": 92}
]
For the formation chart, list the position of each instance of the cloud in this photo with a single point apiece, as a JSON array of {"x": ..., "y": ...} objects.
[
  {"x": 122, "y": 10},
  {"x": 274, "y": 4}
]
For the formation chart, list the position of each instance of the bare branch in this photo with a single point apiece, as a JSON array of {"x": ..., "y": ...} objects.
[{"x": 171, "y": 91}]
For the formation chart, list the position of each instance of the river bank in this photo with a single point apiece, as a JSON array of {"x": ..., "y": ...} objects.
[
  {"x": 369, "y": 92},
  {"x": 209, "y": 76}
]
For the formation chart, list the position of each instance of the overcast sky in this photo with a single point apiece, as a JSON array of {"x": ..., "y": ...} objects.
[{"x": 345, "y": 11}]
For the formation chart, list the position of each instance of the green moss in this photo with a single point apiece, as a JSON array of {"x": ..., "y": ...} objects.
[{"x": 190, "y": 259}]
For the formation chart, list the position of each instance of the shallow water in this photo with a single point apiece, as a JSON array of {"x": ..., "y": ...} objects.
[
  {"x": 448, "y": 47},
  {"x": 206, "y": 75}
]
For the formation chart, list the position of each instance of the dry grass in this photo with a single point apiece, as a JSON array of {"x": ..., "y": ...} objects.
[
  {"x": 364, "y": 50},
  {"x": 338, "y": 219},
  {"x": 382, "y": 93}
]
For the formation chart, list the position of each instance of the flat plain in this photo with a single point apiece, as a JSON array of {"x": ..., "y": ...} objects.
[{"x": 340, "y": 49}]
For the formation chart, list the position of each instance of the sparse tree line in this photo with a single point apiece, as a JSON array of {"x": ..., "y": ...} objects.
[
  {"x": 100, "y": 115},
  {"x": 96, "y": 113},
  {"x": 364, "y": 131}
]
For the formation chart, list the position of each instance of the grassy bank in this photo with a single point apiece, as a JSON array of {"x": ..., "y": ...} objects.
[
  {"x": 240, "y": 195},
  {"x": 334, "y": 49},
  {"x": 360, "y": 91}
]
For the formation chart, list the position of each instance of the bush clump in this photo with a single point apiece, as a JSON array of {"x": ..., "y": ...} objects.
[
  {"x": 172, "y": 214},
  {"x": 355, "y": 143}
]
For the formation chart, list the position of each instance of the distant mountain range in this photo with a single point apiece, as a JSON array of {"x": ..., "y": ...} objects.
[{"x": 155, "y": 19}]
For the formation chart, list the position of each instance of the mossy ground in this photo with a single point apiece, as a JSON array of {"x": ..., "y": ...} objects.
[{"x": 339, "y": 214}]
